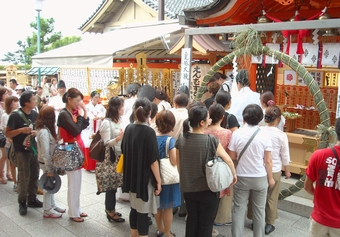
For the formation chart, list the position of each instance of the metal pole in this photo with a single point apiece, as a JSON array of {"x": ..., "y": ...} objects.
[
  {"x": 38, "y": 45},
  {"x": 161, "y": 10}
]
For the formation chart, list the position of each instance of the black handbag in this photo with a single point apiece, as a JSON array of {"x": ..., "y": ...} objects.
[{"x": 2, "y": 140}]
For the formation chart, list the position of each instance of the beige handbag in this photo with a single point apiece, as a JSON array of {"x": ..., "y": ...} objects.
[{"x": 169, "y": 172}]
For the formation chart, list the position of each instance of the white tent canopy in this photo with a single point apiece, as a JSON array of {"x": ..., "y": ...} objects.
[{"x": 98, "y": 50}]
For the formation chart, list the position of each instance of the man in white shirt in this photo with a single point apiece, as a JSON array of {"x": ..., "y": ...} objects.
[
  {"x": 13, "y": 85},
  {"x": 180, "y": 112},
  {"x": 243, "y": 97}
]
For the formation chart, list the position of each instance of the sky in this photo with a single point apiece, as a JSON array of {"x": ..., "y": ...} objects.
[{"x": 16, "y": 16}]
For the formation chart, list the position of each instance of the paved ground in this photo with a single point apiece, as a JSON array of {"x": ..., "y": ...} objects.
[{"x": 33, "y": 224}]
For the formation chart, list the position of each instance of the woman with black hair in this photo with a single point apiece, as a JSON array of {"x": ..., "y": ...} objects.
[
  {"x": 216, "y": 112},
  {"x": 252, "y": 147},
  {"x": 192, "y": 152},
  {"x": 229, "y": 121},
  {"x": 161, "y": 100},
  {"x": 112, "y": 131},
  {"x": 244, "y": 96},
  {"x": 280, "y": 157},
  {"x": 132, "y": 91},
  {"x": 141, "y": 177},
  {"x": 267, "y": 101},
  {"x": 72, "y": 120},
  {"x": 96, "y": 113}
]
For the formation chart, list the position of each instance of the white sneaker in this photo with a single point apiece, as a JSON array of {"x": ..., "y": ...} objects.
[
  {"x": 52, "y": 214},
  {"x": 59, "y": 209}
]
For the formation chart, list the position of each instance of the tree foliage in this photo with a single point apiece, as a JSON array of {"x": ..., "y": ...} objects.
[
  {"x": 49, "y": 39},
  {"x": 64, "y": 41}
]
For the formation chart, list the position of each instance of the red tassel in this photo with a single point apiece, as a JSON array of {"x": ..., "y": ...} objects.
[
  {"x": 301, "y": 33},
  {"x": 299, "y": 49}
]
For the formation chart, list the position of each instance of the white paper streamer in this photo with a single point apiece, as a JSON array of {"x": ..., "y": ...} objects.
[
  {"x": 271, "y": 69},
  {"x": 274, "y": 36},
  {"x": 235, "y": 67}
]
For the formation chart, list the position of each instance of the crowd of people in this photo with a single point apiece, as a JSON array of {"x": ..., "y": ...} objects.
[{"x": 145, "y": 131}]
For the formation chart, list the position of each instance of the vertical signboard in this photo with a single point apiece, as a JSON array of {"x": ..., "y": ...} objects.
[{"x": 185, "y": 67}]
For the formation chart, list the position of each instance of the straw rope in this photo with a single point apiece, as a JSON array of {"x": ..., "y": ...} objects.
[{"x": 248, "y": 42}]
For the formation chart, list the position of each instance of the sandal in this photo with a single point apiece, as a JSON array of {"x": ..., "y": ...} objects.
[
  {"x": 119, "y": 219},
  {"x": 77, "y": 219},
  {"x": 3, "y": 180},
  {"x": 9, "y": 177},
  {"x": 83, "y": 215},
  {"x": 111, "y": 218}
]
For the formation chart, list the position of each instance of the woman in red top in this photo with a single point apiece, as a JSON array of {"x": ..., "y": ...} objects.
[{"x": 71, "y": 121}]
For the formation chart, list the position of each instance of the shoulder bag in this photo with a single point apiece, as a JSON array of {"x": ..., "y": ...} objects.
[
  {"x": 97, "y": 147},
  {"x": 169, "y": 172},
  {"x": 248, "y": 143},
  {"x": 106, "y": 175},
  {"x": 217, "y": 172},
  {"x": 120, "y": 164},
  {"x": 67, "y": 157}
]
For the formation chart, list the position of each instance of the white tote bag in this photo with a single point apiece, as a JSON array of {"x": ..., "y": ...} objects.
[
  {"x": 169, "y": 172},
  {"x": 218, "y": 173}
]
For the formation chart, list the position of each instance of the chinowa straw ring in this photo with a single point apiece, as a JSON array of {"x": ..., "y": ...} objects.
[{"x": 248, "y": 42}]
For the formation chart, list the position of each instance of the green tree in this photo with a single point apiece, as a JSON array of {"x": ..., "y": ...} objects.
[
  {"x": 64, "y": 41},
  {"x": 48, "y": 40}
]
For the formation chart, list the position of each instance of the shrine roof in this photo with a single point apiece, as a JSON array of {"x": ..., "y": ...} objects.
[
  {"x": 202, "y": 43},
  {"x": 172, "y": 9},
  {"x": 233, "y": 12}
]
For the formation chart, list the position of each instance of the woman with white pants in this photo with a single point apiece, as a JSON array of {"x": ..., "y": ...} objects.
[{"x": 72, "y": 120}]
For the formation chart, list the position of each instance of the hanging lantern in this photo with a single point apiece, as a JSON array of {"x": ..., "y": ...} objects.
[{"x": 285, "y": 2}]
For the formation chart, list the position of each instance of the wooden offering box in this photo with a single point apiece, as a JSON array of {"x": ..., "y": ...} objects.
[{"x": 302, "y": 143}]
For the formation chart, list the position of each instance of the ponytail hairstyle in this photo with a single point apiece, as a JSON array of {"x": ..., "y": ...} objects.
[
  {"x": 272, "y": 113},
  {"x": 267, "y": 98},
  {"x": 72, "y": 93},
  {"x": 197, "y": 113},
  {"x": 142, "y": 108},
  {"x": 243, "y": 78}
]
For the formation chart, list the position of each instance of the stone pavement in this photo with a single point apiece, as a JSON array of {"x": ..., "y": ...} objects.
[{"x": 33, "y": 224}]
